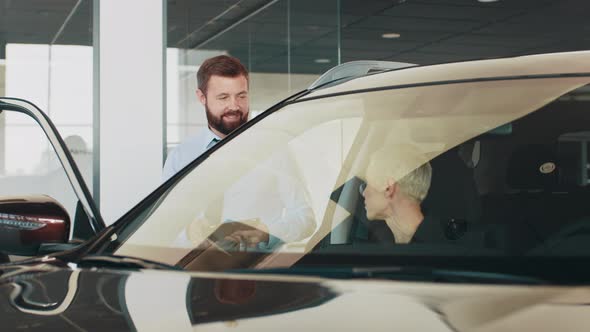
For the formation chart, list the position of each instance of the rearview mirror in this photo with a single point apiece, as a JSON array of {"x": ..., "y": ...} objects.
[{"x": 26, "y": 222}]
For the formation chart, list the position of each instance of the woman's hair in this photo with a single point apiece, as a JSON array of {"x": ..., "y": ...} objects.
[{"x": 405, "y": 164}]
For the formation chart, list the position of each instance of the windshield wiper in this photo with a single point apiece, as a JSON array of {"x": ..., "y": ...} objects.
[
  {"x": 122, "y": 262},
  {"x": 403, "y": 273}
]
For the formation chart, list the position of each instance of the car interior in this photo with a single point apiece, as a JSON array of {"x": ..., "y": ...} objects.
[{"x": 521, "y": 189}]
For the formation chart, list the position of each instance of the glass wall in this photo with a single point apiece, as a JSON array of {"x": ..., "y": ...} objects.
[
  {"x": 46, "y": 57},
  {"x": 286, "y": 45}
]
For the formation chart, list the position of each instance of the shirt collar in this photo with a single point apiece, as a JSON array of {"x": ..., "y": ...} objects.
[{"x": 209, "y": 136}]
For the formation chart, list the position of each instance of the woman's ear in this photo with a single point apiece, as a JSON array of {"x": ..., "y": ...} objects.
[{"x": 391, "y": 189}]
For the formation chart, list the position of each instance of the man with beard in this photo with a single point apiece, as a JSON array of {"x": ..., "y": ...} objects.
[{"x": 223, "y": 91}]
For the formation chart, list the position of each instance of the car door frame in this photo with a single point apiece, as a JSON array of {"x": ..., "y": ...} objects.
[{"x": 94, "y": 222}]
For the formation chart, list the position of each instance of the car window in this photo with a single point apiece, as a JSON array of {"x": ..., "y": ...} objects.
[
  {"x": 303, "y": 174},
  {"x": 29, "y": 165}
]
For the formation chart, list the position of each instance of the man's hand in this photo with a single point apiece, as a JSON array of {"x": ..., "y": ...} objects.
[
  {"x": 247, "y": 233},
  {"x": 234, "y": 235},
  {"x": 226, "y": 247},
  {"x": 249, "y": 239}
]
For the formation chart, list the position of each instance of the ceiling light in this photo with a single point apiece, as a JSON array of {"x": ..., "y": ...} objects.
[
  {"x": 487, "y": 0},
  {"x": 390, "y": 35},
  {"x": 322, "y": 61}
]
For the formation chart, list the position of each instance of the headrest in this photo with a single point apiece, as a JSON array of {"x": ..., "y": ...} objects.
[
  {"x": 532, "y": 167},
  {"x": 453, "y": 193}
]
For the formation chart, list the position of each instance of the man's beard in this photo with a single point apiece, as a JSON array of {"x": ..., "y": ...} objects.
[{"x": 218, "y": 124}]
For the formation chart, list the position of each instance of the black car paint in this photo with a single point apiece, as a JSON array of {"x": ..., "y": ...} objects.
[{"x": 27, "y": 299}]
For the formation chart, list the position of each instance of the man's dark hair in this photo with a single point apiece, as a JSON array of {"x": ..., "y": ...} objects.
[{"x": 221, "y": 65}]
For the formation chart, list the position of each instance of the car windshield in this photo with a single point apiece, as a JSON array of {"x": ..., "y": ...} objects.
[{"x": 490, "y": 166}]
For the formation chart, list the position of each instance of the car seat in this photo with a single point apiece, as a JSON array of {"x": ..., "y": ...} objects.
[{"x": 538, "y": 201}]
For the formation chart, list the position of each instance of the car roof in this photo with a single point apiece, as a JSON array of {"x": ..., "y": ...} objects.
[
  {"x": 539, "y": 64},
  {"x": 353, "y": 69}
]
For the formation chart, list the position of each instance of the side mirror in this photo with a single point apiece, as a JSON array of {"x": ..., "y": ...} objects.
[{"x": 26, "y": 222}]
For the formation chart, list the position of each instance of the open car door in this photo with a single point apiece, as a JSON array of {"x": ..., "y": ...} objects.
[{"x": 45, "y": 205}]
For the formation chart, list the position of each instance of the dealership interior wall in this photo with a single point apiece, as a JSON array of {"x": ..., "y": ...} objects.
[{"x": 118, "y": 77}]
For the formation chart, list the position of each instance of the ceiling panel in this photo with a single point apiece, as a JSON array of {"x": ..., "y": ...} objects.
[
  {"x": 404, "y": 24},
  {"x": 449, "y": 12},
  {"x": 467, "y": 51},
  {"x": 392, "y": 46},
  {"x": 478, "y": 39},
  {"x": 366, "y": 8},
  {"x": 447, "y": 30},
  {"x": 513, "y": 4},
  {"x": 431, "y": 30},
  {"x": 376, "y": 34}
]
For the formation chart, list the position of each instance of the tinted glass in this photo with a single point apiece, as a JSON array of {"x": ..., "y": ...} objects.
[
  {"x": 29, "y": 163},
  {"x": 490, "y": 168}
]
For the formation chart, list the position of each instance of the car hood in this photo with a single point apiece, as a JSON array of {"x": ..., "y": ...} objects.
[{"x": 46, "y": 297}]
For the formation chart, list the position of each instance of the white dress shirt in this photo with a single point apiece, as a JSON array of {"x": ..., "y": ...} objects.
[
  {"x": 272, "y": 192},
  {"x": 188, "y": 151}
]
